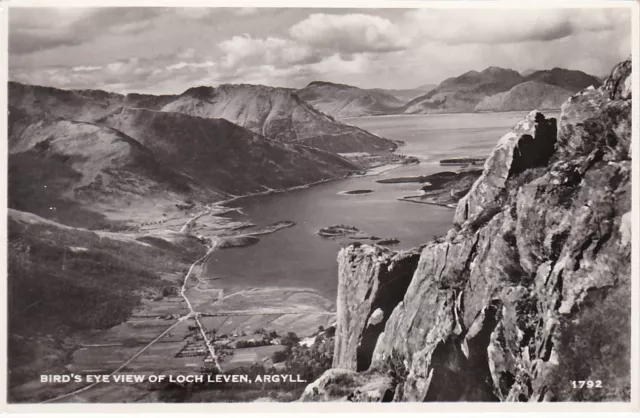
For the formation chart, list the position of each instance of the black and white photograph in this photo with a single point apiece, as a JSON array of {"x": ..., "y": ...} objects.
[{"x": 399, "y": 202}]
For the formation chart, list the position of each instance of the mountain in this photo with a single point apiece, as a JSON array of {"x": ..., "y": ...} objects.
[
  {"x": 78, "y": 159},
  {"x": 571, "y": 80},
  {"x": 405, "y": 95},
  {"x": 498, "y": 89},
  {"x": 73, "y": 172},
  {"x": 463, "y": 93},
  {"x": 529, "y": 289},
  {"x": 277, "y": 114},
  {"x": 343, "y": 101},
  {"x": 528, "y": 72},
  {"x": 274, "y": 113},
  {"x": 525, "y": 96}
]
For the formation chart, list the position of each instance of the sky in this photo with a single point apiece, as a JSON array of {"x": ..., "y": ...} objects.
[{"x": 167, "y": 50}]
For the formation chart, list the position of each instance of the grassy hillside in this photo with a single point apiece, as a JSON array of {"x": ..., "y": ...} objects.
[{"x": 64, "y": 280}]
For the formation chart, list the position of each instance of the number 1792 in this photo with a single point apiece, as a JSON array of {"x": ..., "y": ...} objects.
[{"x": 590, "y": 384}]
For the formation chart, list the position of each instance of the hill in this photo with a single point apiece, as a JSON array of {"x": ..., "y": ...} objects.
[
  {"x": 571, "y": 80},
  {"x": 491, "y": 89},
  {"x": 525, "y": 96},
  {"x": 463, "y": 93},
  {"x": 274, "y": 113},
  {"x": 128, "y": 163},
  {"x": 343, "y": 101},
  {"x": 405, "y": 95}
]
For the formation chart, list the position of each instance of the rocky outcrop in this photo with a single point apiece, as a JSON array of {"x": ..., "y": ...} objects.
[
  {"x": 347, "y": 385},
  {"x": 373, "y": 281},
  {"x": 530, "y": 144},
  {"x": 539, "y": 243}
]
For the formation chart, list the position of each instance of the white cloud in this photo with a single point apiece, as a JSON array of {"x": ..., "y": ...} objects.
[
  {"x": 180, "y": 65},
  {"x": 85, "y": 68},
  {"x": 246, "y": 50},
  {"x": 349, "y": 33}
]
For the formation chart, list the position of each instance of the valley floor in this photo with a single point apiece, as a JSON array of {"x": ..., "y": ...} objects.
[{"x": 189, "y": 332}]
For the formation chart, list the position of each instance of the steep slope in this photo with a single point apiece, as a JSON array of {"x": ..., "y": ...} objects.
[
  {"x": 343, "y": 101},
  {"x": 62, "y": 280},
  {"x": 274, "y": 113},
  {"x": 277, "y": 114},
  {"x": 526, "y": 96},
  {"x": 225, "y": 156},
  {"x": 126, "y": 162},
  {"x": 530, "y": 289},
  {"x": 463, "y": 93},
  {"x": 76, "y": 172}
]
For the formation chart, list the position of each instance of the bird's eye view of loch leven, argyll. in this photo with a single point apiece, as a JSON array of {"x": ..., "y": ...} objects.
[{"x": 304, "y": 204}]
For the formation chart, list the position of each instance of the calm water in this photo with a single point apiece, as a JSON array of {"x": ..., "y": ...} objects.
[{"x": 298, "y": 257}]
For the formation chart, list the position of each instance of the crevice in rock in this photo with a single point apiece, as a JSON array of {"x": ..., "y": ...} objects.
[
  {"x": 535, "y": 152},
  {"x": 393, "y": 286}
]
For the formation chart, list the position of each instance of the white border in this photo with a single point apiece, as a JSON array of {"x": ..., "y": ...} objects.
[{"x": 306, "y": 408}]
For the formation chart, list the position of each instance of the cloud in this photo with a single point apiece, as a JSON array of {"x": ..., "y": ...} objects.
[
  {"x": 31, "y": 30},
  {"x": 245, "y": 50},
  {"x": 349, "y": 33},
  {"x": 183, "y": 64},
  {"x": 123, "y": 76},
  {"x": 246, "y": 11},
  {"x": 510, "y": 25},
  {"x": 85, "y": 68}
]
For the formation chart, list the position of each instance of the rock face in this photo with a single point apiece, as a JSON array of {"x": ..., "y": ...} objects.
[
  {"x": 373, "y": 281},
  {"x": 529, "y": 145},
  {"x": 537, "y": 265}
]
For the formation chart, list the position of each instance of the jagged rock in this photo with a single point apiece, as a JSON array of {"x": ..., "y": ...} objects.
[
  {"x": 347, "y": 385},
  {"x": 372, "y": 281},
  {"x": 544, "y": 239},
  {"x": 528, "y": 145}
]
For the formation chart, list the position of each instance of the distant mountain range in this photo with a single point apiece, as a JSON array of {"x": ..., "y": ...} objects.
[
  {"x": 77, "y": 156},
  {"x": 344, "y": 101},
  {"x": 499, "y": 89},
  {"x": 493, "y": 89}
]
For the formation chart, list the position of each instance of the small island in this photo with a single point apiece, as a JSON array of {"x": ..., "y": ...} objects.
[
  {"x": 446, "y": 188},
  {"x": 463, "y": 161},
  {"x": 239, "y": 241},
  {"x": 389, "y": 241},
  {"x": 338, "y": 231},
  {"x": 359, "y": 191},
  {"x": 415, "y": 179}
]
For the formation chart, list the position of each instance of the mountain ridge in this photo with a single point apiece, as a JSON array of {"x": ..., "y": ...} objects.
[{"x": 273, "y": 112}]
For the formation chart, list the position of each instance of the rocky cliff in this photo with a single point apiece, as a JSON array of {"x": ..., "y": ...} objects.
[{"x": 529, "y": 290}]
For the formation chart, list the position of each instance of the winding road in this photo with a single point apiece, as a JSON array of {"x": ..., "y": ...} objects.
[{"x": 192, "y": 314}]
